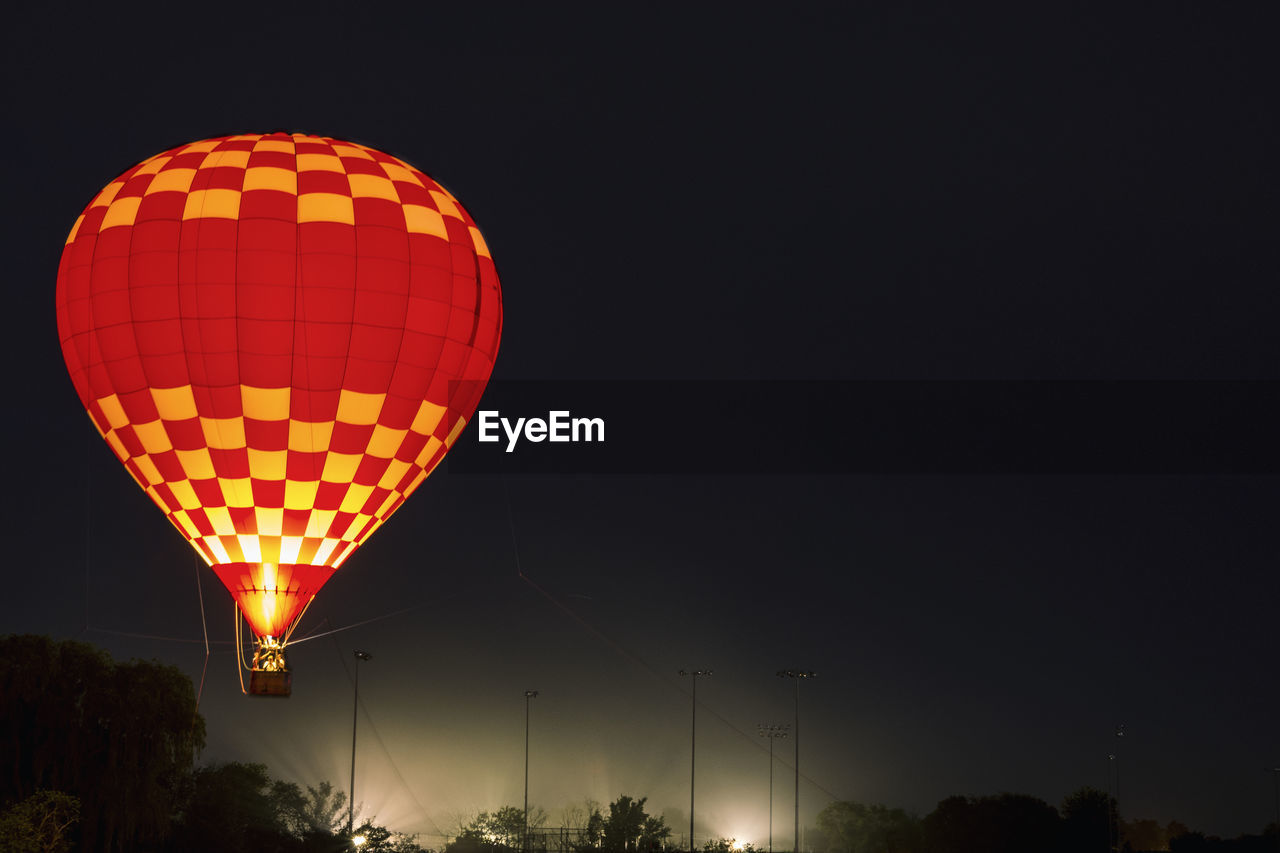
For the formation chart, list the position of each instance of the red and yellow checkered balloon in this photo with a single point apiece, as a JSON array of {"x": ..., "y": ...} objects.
[{"x": 269, "y": 331}]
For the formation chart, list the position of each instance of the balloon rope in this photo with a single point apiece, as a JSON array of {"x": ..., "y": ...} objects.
[
  {"x": 358, "y": 624},
  {"x": 239, "y": 650},
  {"x": 288, "y": 634},
  {"x": 205, "y": 626}
]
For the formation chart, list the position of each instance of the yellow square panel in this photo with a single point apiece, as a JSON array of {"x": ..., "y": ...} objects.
[
  {"x": 185, "y": 494},
  {"x": 212, "y": 204},
  {"x": 121, "y": 212},
  {"x": 320, "y": 162},
  {"x": 300, "y": 494},
  {"x": 153, "y": 437},
  {"x": 152, "y": 165},
  {"x": 385, "y": 441},
  {"x": 310, "y": 436},
  {"x": 108, "y": 193},
  {"x": 394, "y": 474},
  {"x": 360, "y": 409},
  {"x": 214, "y": 544},
  {"x": 220, "y": 518},
  {"x": 325, "y": 550},
  {"x": 424, "y": 220},
  {"x": 237, "y": 493},
  {"x": 284, "y": 145},
  {"x": 458, "y": 427},
  {"x": 249, "y": 546},
  {"x": 326, "y": 207},
  {"x": 265, "y": 404},
  {"x": 116, "y": 444},
  {"x": 203, "y": 145},
  {"x": 342, "y": 554},
  {"x": 269, "y": 549},
  {"x": 428, "y": 418},
  {"x": 422, "y": 475},
  {"x": 184, "y": 522},
  {"x": 267, "y": 464},
  {"x": 149, "y": 470},
  {"x": 355, "y": 526},
  {"x": 271, "y": 178},
  {"x": 340, "y": 467},
  {"x": 372, "y": 186},
  {"x": 477, "y": 240},
  {"x": 196, "y": 464},
  {"x": 224, "y": 433},
  {"x": 172, "y": 180},
  {"x": 270, "y": 521},
  {"x": 430, "y": 449},
  {"x": 396, "y": 172},
  {"x": 351, "y": 151},
  {"x": 386, "y": 505},
  {"x": 289, "y": 548},
  {"x": 445, "y": 204},
  {"x": 75, "y": 229},
  {"x": 319, "y": 523},
  {"x": 175, "y": 404},
  {"x": 232, "y": 159},
  {"x": 353, "y": 500},
  {"x": 111, "y": 407}
]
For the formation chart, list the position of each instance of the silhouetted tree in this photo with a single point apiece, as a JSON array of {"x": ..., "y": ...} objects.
[
  {"x": 119, "y": 736},
  {"x": 39, "y": 824},
  {"x": 1005, "y": 823},
  {"x": 848, "y": 827},
  {"x": 629, "y": 828},
  {"x": 1090, "y": 821}
]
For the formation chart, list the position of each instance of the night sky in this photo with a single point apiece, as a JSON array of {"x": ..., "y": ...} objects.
[{"x": 1032, "y": 194}]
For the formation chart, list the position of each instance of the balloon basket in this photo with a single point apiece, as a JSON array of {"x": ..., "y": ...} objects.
[{"x": 266, "y": 683}]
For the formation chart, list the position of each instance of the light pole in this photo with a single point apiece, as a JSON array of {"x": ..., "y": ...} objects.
[
  {"x": 528, "y": 700},
  {"x": 1275, "y": 774},
  {"x": 1113, "y": 807},
  {"x": 797, "y": 675},
  {"x": 693, "y": 745},
  {"x": 772, "y": 732},
  {"x": 355, "y": 715}
]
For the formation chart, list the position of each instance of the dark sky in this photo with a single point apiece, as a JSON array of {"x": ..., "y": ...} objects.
[{"x": 1038, "y": 193}]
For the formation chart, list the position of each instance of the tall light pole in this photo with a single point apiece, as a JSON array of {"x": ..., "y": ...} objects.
[
  {"x": 1275, "y": 774},
  {"x": 355, "y": 715},
  {"x": 1113, "y": 807},
  {"x": 772, "y": 732},
  {"x": 528, "y": 700},
  {"x": 693, "y": 746},
  {"x": 797, "y": 675}
]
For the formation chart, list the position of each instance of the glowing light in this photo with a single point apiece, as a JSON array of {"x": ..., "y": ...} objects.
[
  {"x": 359, "y": 840},
  {"x": 736, "y": 845}
]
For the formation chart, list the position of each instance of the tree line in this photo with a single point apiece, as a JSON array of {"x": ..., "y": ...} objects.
[
  {"x": 1087, "y": 821},
  {"x": 97, "y": 755}
]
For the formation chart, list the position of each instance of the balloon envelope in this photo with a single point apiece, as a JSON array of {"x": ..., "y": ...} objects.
[{"x": 280, "y": 336}]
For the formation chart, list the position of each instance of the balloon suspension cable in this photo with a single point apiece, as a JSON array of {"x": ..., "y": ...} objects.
[
  {"x": 239, "y": 650},
  {"x": 288, "y": 635},
  {"x": 205, "y": 626}
]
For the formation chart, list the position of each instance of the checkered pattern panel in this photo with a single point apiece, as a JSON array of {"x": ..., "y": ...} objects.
[{"x": 265, "y": 328}]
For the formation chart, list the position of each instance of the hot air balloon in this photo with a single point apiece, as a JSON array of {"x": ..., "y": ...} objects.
[{"x": 280, "y": 336}]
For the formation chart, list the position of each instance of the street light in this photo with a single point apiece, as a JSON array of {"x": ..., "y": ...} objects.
[
  {"x": 528, "y": 699},
  {"x": 797, "y": 674},
  {"x": 772, "y": 732},
  {"x": 693, "y": 745},
  {"x": 355, "y": 715}
]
